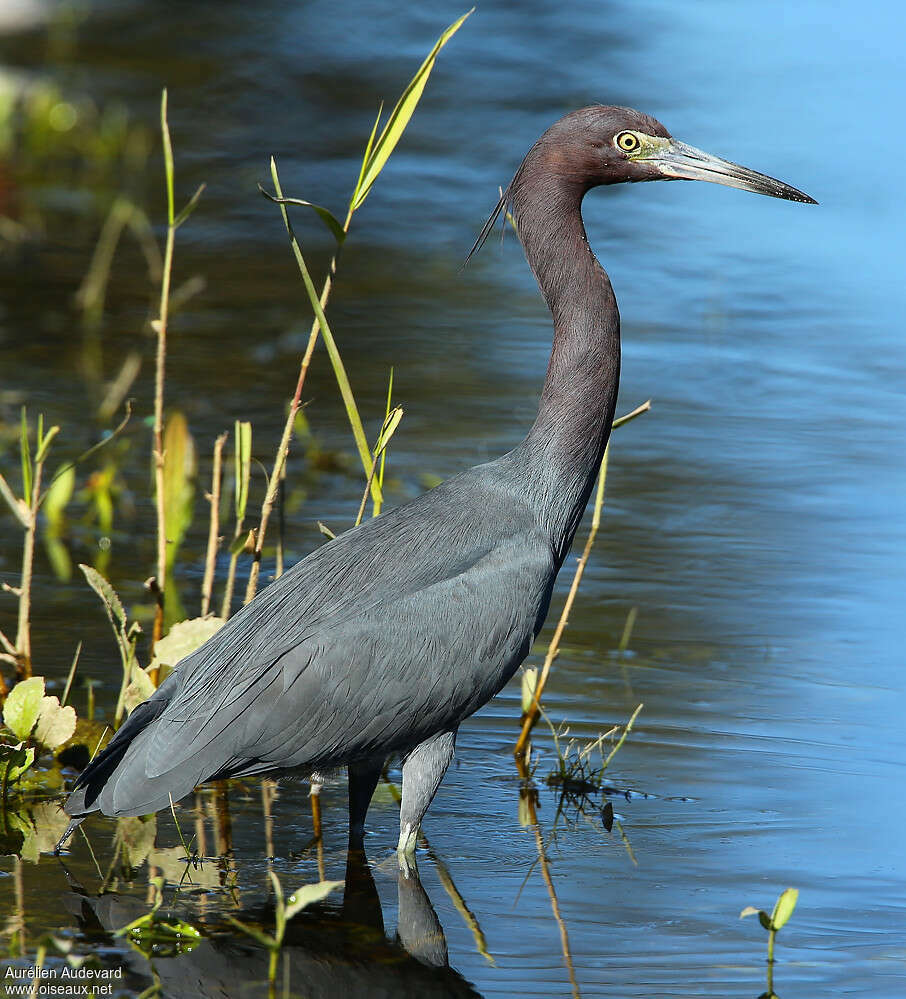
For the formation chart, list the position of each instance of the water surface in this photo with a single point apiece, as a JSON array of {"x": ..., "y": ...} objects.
[{"x": 753, "y": 518}]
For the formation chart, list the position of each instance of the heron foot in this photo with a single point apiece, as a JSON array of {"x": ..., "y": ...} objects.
[
  {"x": 408, "y": 838},
  {"x": 405, "y": 852}
]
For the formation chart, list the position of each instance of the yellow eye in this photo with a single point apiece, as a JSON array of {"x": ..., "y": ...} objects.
[{"x": 628, "y": 142}]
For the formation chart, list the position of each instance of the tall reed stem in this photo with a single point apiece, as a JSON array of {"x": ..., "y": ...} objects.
[{"x": 160, "y": 328}]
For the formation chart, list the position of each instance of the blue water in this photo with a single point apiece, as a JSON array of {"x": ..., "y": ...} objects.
[{"x": 754, "y": 517}]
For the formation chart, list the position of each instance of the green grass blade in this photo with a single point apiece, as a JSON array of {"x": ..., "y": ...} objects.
[
  {"x": 368, "y": 147},
  {"x": 400, "y": 117},
  {"x": 190, "y": 206},
  {"x": 324, "y": 214},
  {"x": 26, "y": 457},
  {"x": 352, "y": 412},
  {"x": 168, "y": 154}
]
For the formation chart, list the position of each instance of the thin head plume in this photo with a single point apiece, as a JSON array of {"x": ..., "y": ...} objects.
[{"x": 489, "y": 224}]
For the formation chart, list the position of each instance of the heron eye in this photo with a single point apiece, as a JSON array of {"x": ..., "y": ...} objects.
[{"x": 628, "y": 142}]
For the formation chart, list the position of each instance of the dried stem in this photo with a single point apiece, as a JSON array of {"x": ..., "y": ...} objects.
[
  {"x": 207, "y": 585},
  {"x": 531, "y": 716},
  {"x": 23, "y": 632}
]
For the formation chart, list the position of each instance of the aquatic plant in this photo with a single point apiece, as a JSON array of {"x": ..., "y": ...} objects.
[
  {"x": 284, "y": 910},
  {"x": 773, "y": 923},
  {"x": 25, "y": 509}
]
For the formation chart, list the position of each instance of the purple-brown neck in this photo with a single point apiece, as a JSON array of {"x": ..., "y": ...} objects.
[{"x": 562, "y": 452}]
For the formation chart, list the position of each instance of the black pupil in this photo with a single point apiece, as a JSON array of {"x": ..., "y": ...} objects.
[{"x": 628, "y": 141}]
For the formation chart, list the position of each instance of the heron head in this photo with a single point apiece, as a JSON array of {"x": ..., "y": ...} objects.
[{"x": 610, "y": 145}]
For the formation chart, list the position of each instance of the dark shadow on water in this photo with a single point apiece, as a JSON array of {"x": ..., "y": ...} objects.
[{"x": 327, "y": 951}]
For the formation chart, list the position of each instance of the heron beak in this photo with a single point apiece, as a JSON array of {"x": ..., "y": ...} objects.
[{"x": 677, "y": 161}]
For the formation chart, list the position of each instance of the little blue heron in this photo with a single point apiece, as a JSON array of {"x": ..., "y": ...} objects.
[{"x": 381, "y": 642}]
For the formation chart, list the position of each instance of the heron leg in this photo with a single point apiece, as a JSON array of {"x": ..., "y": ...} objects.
[
  {"x": 363, "y": 778},
  {"x": 423, "y": 770}
]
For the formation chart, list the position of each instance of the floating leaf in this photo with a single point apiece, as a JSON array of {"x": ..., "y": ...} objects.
[
  {"x": 177, "y": 869},
  {"x": 46, "y": 824},
  {"x": 135, "y": 836},
  {"x": 399, "y": 118},
  {"x": 784, "y": 907},
  {"x": 20, "y": 712},
  {"x": 55, "y": 724},
  {"x": 307, "y": 895}
]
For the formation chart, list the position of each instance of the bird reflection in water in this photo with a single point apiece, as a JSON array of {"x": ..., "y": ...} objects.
[{"x": 326, "y": 952}]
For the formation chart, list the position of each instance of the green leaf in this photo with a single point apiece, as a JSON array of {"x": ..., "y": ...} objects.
[
  {"x": 14, "y": 761},
  {"x": 189, "y": 208},
  {"x": 20, "y": 712},
  {"x": 55, "y": 724},
  {"x": 324, "y": 214},
  {"x": 369, "y": 146},
  {"x": 168, "y": 154},
  {"x": 308, "y": 895},
  {"x": 108, "y": 595},
  {"x": 58, "y": 556},
  {"x": 45, "y": 443},
  {"x": 333, "y": 353},
  {"x": 242, "y": 465},
  {"x": 389, "y": 429},
  {"x": 764, "y": 919},
  {"x": 26, "y": 457},
  {"x": 179, "y": 482},
  {"x": 244, "y": 543},
  {"x": 13, "y": 830},
  {"x": 56, "y": 498},
  {"x": 784, "y": 907},
  {"x": 399, "y": 118}
]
